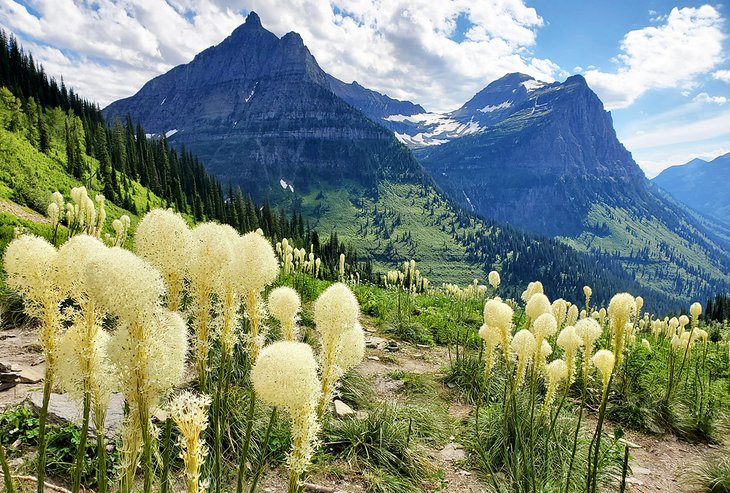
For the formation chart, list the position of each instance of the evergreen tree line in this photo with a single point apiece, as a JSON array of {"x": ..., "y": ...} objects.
[
  {"x": 718, "y": 308},
  {"x": 40, "y": 108}
]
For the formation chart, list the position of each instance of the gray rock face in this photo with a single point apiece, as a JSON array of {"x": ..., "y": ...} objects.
[
  {"x": 553, "y": 149},
  {"x": 258, "y": 109},
  {"x": 63, "y": 409},
  {"x": 373, "y": 104}
]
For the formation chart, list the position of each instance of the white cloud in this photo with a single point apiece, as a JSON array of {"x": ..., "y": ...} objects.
[
  {"x": 703, "y": 97},
  {"x": 670, "y": 55},
  {"x": 108, "y": 48},
  {"x": 723, "y": 75},
  {"x": 677, "y": 132}
]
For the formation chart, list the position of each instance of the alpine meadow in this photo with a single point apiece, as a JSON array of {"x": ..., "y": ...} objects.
[{"x": 228, "y": 266}]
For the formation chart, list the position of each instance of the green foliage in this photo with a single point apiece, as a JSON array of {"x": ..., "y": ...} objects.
[
  {"x": 499, "y": 442},
  {"x": 21, "y": 424},
  {"x": 356, "y": 390},
  {"x": 713, "y": 476},
  {"x": 414, "y": 383},
  {"x": 382, "y": 444}
]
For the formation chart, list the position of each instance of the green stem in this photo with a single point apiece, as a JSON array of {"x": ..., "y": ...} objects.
[
  {"x": 6, "y": 472},
  {"x": 166, "y": 452},
  {"x": 264, "y": 452},
  {"x": 101, "y": 472},
  {"x": 293, "y": 482},
  {"x": 575, "y": 436},
  {"x": 624, "y": 469},
  {"x": 218, "y": 414},
  {"x": 593, "y": 475},
  {"x": 41, "y": 472},
  {"x": 81, "y": 450},
  {"x": 147, "y": 450},
  {"x": 246, "y": 442}
]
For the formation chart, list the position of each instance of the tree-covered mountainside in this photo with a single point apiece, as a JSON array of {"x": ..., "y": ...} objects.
[
  {"x": 551, "y": 163},
  {"x": 701, "y": 185}
]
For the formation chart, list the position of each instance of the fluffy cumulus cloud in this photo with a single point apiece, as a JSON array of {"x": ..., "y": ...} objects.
[
  {"x": 673, "y": 54},
  {"x": 703, "y": 97},
  {"x": 107, "y": 49},
  {"x": 434, "y": 53},
  {"x": 723, "y": 75}
]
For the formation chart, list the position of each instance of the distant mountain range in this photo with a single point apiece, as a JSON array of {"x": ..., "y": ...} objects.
[
  {"x": 702, "y": 185},
  {"x": 261, "y": 113}
]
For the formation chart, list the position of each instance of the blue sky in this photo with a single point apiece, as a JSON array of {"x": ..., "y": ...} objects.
[{"x": 661, "y": 67}]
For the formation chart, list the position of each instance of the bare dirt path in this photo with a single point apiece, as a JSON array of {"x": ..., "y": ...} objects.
[{"x": 22, "y": 212}]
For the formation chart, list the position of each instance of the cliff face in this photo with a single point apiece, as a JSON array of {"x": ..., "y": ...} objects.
[
  {"x": 541, "y": 162},
  {"x": 260, "y": 112}
]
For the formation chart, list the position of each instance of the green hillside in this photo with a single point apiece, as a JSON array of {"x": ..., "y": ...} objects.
[{"x": 28, "y": 176}]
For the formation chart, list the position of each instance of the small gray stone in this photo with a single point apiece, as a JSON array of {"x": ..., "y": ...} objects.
[
  {"x": 374, "y": 342},
  {"x": 452, "y": 452},
  {"x": 342, "y": 409},
  {"x": 29, "y": 376}
]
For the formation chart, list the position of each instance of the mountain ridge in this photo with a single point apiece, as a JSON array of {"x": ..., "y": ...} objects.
[
  {"x": 701, "y": 185},
  {"x": 283, "y": 132}
]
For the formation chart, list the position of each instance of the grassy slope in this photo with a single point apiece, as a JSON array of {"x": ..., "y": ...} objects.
[
  {"x": 29, "y": 177},
  {"x": 345, "y": 211},
  {"x": 629, "y": 234}
]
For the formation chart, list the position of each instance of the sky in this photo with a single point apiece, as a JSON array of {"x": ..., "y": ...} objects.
[{"x": 661, "y": 67}]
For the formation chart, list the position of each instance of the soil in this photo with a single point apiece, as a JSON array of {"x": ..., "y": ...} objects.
[
  {"x": 658, "y": 464},
  {"x": 22, "y": 212}
]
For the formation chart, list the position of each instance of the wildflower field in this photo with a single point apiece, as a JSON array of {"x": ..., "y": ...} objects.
[{"x": 242, "y": 364}]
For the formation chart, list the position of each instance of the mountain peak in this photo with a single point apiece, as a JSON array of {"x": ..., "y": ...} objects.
[
  {"x": 514, "y": 76},
  {"x": 252, "y": 20},
  {"x": 576, "y": 79},
  {"x": 293, "y": 38}
]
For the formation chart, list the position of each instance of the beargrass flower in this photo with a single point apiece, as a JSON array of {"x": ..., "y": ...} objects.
[
  {"x": 523, "y": 346},
  {"x": 604, "y": 360},
  {"x": 164, "y": 239},
  {"x": 285, "y": 376},
  {"x": 190, "y": 413},
  {"x": 284, "y": 304}
]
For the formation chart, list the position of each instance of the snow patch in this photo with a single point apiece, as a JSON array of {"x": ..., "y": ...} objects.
[
  {"x": 532, "y": 85},
  {"x": 286, "y": 185},
  {"x": 490, "y": 108},
  {"x": 468, "y": 200},
  {"x": 253, "y": 91},
  {"x": 170, "y": 133}
]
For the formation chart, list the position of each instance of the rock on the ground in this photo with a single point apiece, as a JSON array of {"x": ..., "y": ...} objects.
[
  {"x": 63, "y": 409},
  {"x": 452, "y": 452},
  {"x": 375, "y": 342},
  {"x": 30, "y": 376},
  {"x": 342, "y": 409}
]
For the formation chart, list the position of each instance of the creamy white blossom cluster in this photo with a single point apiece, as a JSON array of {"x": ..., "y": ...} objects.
[
  {"x": 190, "y": 413},
  {"x": 164, "y": 239},
  {"x": 284, "y": 304},
  {"x": 336, "y": 315},
  {"x": 285, "y": 376}
]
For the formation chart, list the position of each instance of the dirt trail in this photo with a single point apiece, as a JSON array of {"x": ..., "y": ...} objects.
[{"x": 22, "y": 212}]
